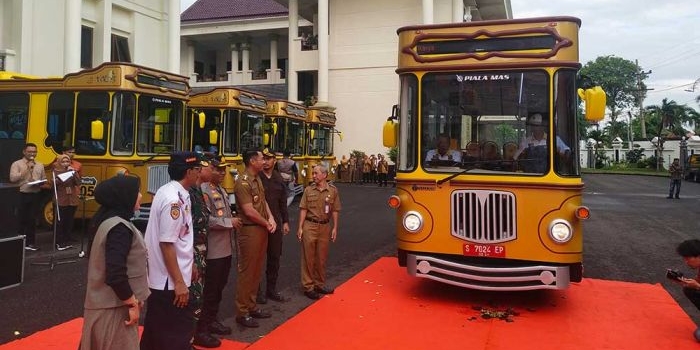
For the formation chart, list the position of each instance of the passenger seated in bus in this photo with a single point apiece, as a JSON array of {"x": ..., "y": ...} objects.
[
  {"x": 443, "y": 152},
  {"x": 534, "y": 145}
]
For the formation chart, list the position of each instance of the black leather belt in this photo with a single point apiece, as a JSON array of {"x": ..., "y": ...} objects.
[
  {"x": 317, "y": 221},
  {"x": 251, "y": 225}
]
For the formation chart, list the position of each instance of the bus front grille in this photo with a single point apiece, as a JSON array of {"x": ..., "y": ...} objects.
[
  {"x": 157, "y": 176},
  {"x": 483, "y": 216}
]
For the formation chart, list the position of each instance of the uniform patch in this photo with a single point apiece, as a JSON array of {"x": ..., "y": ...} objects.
[
  {"x": 175, "y": 211},
  {"x": 220, "y": 212}
]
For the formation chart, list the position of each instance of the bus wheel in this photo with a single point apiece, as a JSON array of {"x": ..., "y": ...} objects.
[{"x": 46, "y": 217}]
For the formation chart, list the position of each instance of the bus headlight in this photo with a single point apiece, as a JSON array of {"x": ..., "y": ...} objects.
[
  {"x": 412, "y": 221},
  {"x": 560, "y": 231}
]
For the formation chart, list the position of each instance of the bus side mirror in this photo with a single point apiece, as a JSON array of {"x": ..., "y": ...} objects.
[
  {"x": 266, "y": 139},
  {"x": 97, "y": 130},
  {"x": 201, "y": 118},
  {"x": 595, "y": 100},
  {"x": 389, "y": 132},
  {"x": 312, "y": 132},
  {"x": 157, "y": 133},
  {"x": 340, "y": 136},
  {"x": 213, "y": 137}
]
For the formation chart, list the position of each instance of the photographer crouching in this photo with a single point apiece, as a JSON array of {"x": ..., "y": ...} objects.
[{"x": 690, "y": 251}]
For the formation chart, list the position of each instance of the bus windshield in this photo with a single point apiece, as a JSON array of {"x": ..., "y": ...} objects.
[
  {"x": 321, "y": 143},
  {"x": 294, "y": 135},
  {"x": 488, "y": 122},
  {"x": 160, "y": 126}
]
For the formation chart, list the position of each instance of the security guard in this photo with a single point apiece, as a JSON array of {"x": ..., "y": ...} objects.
[
  {"x": 319, "y": 204},
  {"x": 251, "y": 241},
  {"x": 169, "y": 322}
]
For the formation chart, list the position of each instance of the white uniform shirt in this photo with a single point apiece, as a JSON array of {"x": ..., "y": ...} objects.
[
  {"x": 449, "y": 155},
  {"x": 530, "y": 141},
  {"x": 170, "y": 221}
]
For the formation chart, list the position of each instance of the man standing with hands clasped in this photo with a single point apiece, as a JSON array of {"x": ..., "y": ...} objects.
[
  {"x": 258, "y": 223},
  {"x": 169, "y": 322},
  {"x": 318, "y": 205},
  {"x": 29, "y": 174}
]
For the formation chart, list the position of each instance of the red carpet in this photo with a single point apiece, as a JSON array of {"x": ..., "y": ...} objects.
[{"x": 383, "y": 308}]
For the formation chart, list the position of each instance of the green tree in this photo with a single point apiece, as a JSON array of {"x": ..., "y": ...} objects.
[{"x": 618, "y": 77}]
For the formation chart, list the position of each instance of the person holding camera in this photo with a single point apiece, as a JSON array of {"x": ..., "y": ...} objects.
[{"x": 690, "y": 251}]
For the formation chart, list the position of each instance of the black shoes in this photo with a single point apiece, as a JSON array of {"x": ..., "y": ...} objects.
[
  {"x": 276, "y": 296},
  {"x": 217, "y": 328},
  {"x": 260, "y": 299},
  {"x": 247, "y": 321},
  {"x": 258, "y": 313},
  {"x": 311, "y": 294},
  {"x": 324, "y": 290},
  {"x": 206, "y": 340}
]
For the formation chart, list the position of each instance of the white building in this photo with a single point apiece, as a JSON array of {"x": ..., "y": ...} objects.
[
  {"x": 56, "y": 37},
  {"x": 342, "y": 52}
]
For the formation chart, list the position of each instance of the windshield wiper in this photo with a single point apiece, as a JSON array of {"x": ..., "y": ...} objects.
[{"x": 440, "y": 182}]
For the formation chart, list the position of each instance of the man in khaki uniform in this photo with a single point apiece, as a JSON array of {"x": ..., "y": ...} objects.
[
  {"x": 258, "y": 222},
  {"x": 318, "y": 205}
]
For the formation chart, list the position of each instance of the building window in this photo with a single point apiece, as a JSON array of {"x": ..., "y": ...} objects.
[
  {"x": 85, "y": 47},
  {"x": 2, "y": 62},
  {"x": 120, "y": 49}
]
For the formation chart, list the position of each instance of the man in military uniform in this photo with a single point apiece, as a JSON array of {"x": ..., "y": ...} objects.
[
  {"x": 200, "y": 223},
  {"x": 169, "y": 322},
  {"x": 276, "y": 196},
  {"x": 220, "y": 252},
  {"x": 251, "y": 241},
  {"x": 319, "y": 204}
]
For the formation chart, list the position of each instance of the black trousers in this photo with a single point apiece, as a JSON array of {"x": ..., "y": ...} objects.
[
  {"x": 382, "y": 179},
  {"x": 215, "y": 280},
  {"x": 693, "y": 295},
  {"x": 675, "y": 184},
  {"x": 27, "y": 212},
  {"x": 167, "y": 326},
  {"x": 65, "y": 225},
  {"x": 272, "y": 269}
]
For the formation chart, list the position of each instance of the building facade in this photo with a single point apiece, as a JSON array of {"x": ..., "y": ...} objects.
[
  {"x": 56, "y": 37},
  {"x": 340, "y": 54}
]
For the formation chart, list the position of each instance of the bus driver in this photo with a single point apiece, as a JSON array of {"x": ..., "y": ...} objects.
[
  {"x": 534, "y": 145},
  {"x": 443, "y": 151}
]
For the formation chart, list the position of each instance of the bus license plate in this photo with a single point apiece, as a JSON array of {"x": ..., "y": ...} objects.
[{"x": 486, "y": 250}]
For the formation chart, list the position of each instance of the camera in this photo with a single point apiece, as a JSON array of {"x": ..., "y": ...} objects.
[{"x": 674, "y": 274}]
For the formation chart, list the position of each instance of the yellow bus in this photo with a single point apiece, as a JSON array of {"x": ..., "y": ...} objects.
[
  {"x": 488, "y": 192},
  {"x": 121, "y": 118},
  {"x": 320, "y": 124},
  {"x": 232, "y": 123}
]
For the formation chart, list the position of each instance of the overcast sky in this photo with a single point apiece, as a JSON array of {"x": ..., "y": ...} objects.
[{"x": 662, "y": 35}]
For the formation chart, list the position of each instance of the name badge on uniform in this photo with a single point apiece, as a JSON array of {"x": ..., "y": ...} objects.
[{"x": 327, "y": 207}]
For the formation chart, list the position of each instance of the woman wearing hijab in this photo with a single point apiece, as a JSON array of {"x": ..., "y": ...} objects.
[
  {"x": 67, "y": 190},
  {"x": 117, "y": 272}
]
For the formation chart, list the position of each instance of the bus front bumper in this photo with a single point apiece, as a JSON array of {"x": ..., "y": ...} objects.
[{"x": 500, "y": 278}]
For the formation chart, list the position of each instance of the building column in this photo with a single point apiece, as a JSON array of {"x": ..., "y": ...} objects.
[
  {"x": 293, "y": 48},
  {"x": 190, "y": 61},
  {"x": 71, "y": 52},
  {"x": 457, "y": 11},
  {"x": 323, "y": 51},
  {"x": 428, "y": 16},
  {"x": 234, "y": 75},
  {"x": 174, "y": 36},
  {"x": 104, "y": 31},
  {"x": 245, "y": 58},
  {"x": 273, "y": 74}
]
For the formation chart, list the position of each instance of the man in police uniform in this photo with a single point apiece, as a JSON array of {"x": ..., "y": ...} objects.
[
  {"x": 221, "y": 224},
  {"x": 169, "y": 322},
  {"x": 258, "y": 222},
  {"x": 318, "y": 205}
]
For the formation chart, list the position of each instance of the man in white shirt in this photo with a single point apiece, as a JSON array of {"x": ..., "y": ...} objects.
[
  {"x": 443, "y": 151},
  {"x": 536, "y": 144},
  {"x": 169, "y": 322}
]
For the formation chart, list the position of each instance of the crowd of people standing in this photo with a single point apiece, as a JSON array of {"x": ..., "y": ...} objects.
[{"x": 362, "y": 169}]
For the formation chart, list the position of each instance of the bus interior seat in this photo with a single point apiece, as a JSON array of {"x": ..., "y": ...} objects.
[
  {"x": 509, "y": 149},
  {"x": 18, "y": 135},
  {"x": 4, "y": 135}
]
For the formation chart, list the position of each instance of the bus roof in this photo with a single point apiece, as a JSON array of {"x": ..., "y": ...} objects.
[{"x": 229, "y": 98}]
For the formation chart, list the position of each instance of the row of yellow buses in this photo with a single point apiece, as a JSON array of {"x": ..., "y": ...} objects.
[
  {"x": 125, "y": 118},
  {"x": 488, "y": 183}
]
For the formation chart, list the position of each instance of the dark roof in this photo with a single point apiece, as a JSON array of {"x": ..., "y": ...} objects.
[{"x": 204, "y": 10}]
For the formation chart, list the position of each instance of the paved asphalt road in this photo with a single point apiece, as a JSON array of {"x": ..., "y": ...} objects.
[{"x": 631, "y": 236}]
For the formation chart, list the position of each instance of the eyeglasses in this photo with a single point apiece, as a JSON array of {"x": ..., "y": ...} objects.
[{"x": 197, "y": 169}]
